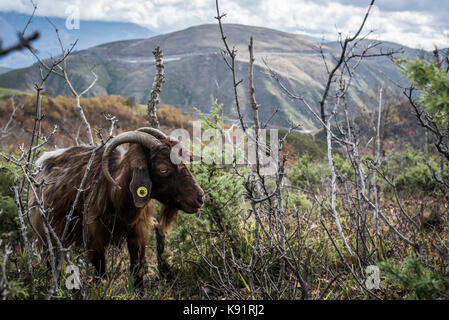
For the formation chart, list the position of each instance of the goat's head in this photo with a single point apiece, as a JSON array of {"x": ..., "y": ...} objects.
[{"x": 158, "y": 178}]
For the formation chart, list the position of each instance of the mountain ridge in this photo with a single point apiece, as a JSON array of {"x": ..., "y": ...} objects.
[
  {"x": 4, "y": 70},
  {"x": 195, "y": 71}
]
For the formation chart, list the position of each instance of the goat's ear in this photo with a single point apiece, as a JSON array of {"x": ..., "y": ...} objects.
[{"x": 140, "y": 187}]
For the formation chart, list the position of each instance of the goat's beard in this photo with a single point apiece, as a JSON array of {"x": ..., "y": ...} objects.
[
  {"x": 189, "y": 209},
  {"x": 168, "y": 215}
]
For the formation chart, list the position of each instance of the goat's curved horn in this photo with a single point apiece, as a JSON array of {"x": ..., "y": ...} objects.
[
  {"x": 126, "y": 137},
  {"x": 156, "y": 133}
]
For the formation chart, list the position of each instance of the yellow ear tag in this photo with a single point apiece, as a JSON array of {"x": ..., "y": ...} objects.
[{"x": 142, "y": 192}]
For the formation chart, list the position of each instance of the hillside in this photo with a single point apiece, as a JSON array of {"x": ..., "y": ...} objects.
[
  {"x": 400, "y": 129},
  {"x": 4, "y": 69},
  {"x": 11, "y": 92},
  {"x": 195, "y": 71},
  {"x": 61, "y": 111},
  {"x": 90, "y": 33}
]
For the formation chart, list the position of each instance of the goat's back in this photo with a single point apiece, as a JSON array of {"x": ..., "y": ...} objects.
[{"x": 62, "y": 172}]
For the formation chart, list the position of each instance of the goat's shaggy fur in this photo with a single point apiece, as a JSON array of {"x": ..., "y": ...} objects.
[{"x": 114, "y": 213}]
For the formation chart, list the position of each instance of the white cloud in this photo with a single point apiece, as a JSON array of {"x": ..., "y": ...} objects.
[{"x": 414, "y": 26}]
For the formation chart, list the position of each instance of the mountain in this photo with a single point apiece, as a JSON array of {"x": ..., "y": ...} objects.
[
  {"x": 195, "y": 71},
  {"x": 90, "y": 33},
  {"x": 3, "y": 70}
]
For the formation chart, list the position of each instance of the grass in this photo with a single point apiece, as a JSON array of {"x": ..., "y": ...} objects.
[
  {"x": 5, "y": 92},
  {"x": 192, "y": 277},
  {"x": 224, "y": 222}
]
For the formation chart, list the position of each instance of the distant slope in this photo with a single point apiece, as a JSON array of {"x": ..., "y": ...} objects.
[
  {"x": 12, "y": 93},
  {"x": 61, "y": 111},
  {"x": 195, "y": 71},
  {"x": 3, "y": 70},
  {"x": 91, "y": 33}
]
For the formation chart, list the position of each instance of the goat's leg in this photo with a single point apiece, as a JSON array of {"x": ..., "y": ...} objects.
[
  {"x": 162, "y": 264},
  {"x": 136, "y": 248},
  {"x": 166, "y": 217},
  {"x": 97, "y": 258}
]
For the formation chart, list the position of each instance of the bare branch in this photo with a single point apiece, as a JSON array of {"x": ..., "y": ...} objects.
[{"x": 156, "y": 89}]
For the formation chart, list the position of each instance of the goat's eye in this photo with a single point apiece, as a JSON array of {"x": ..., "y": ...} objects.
[{"x": 163, "y": 170}]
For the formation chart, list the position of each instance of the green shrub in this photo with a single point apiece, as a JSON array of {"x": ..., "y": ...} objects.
[
  {"x": 411, "y": 276},
  {"x": 307, "y": 174},
  {"x": 343, "y": 166},
  {"x": 298, "y": 200},
  {"x": 409, "y": 171},
  {"x": 415, "y": 178},
  {"x": 305, "y": 143},
  {"x": 433, "y": 82},
  {"x": 8, "y": 209}
]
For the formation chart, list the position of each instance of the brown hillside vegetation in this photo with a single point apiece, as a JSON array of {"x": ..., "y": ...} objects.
[{"x": 61, "y": 111}]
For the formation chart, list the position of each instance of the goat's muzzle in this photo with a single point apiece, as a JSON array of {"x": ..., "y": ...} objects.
[{"x": 194, "y": 204}]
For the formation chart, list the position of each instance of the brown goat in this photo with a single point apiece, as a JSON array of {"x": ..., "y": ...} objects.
[{"x": 119, "y": 199}]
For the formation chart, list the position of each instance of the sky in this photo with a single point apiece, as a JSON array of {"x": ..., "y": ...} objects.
[{"x": 414, "y": 23}]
